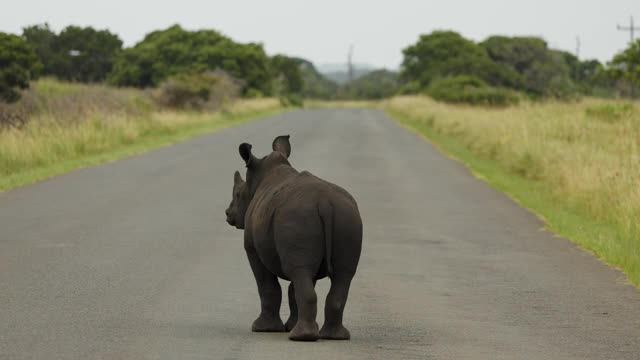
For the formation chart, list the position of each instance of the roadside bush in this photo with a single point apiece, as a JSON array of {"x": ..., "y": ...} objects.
[
  {"x": 204, "y": 91},
  {"x": 470, "y": 90},
  {"x": 292, "y": 100},
  {"x": 254, "y": 94},
  {"x": 410, "y": 88}
]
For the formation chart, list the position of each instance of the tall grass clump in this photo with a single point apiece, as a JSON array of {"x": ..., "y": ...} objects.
[
  {"x": 66, "y": 103},
  {"x": 577, "y": 164}
]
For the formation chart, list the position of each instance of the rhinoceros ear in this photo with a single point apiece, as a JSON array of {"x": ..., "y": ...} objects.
[
  {"x": 237, "y": 179},
  {"x": 281, "y": 144},
  {"x": 247, "y": 156}
]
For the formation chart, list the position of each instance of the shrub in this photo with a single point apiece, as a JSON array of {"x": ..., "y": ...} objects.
[
  {"x": 204, "y": 91},
  {"x": 470, "y": 90},
  {"x": 293, "y": 100},
  {"x": 412, "y": 87},
  {"x": 254, "y": 93}
]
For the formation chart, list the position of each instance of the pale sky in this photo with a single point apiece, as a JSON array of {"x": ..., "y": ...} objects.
[{"x": 321, "y": 31}]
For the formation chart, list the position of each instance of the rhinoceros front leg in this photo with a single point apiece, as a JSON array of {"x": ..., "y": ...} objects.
[
  {"x": 333, "y": 329},
  {"x": 270, "y": 297}
]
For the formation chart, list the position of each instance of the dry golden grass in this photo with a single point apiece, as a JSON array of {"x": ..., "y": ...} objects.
[
  {"x": 585, "y": 155},
  {"x": 50, "y": 143},
  {"x": 340, "y": 104}
]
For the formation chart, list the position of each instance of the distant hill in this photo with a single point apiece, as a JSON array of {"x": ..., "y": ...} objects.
[
  {"x": 339, "y": 74},
  {"x": 369, "y": 83},
  {"x": 377, "y": 84},
  {"x": 316, "y": 85},
  {"x": 341, "y": 67}
]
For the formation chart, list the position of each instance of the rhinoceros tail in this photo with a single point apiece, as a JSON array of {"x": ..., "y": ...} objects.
[{"x": 326, "y": 215}]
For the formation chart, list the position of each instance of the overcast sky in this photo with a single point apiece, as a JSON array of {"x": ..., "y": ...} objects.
[{"x": 322, "y": 31}]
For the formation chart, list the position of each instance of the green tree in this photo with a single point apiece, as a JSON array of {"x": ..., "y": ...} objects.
[
  {"x": 544, "y": 72},
  {"x": 626, "y": 66},
  {"x": 43, "y": 40},
  {"x": 590, "y": 76},
  {"x": 288, "y": 74},
  {"x": 18, "y": 65},
  {"x": 173, "y": 51},
  {"x": 518, "y": 52},
  {"x": 76, "y": 54},
  {"x": 550, "y": 78},
  {"x": 87, "y": 54},
  {"x": 446, "y": 53},
  {"x": 589, "y": 71},
  {"x": 315, "y": 85}
]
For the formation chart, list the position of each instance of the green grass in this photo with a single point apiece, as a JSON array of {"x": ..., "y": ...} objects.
[
  {"x": 47, "y": 150},
  {"x": 612, "y": 242}
]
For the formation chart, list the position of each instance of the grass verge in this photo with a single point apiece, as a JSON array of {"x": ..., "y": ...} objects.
[
  {"x": 47, "y": 148},
  {"x": 549, "y": 167}
]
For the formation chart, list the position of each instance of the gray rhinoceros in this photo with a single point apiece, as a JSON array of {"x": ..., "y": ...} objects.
[{"x": 300, "y": 228}]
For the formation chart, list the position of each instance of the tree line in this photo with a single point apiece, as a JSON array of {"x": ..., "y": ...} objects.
[
  {"x": 84, "y": 54},
  {"x": 442, "y": 63},
  {"x": 523, "y": 64}
]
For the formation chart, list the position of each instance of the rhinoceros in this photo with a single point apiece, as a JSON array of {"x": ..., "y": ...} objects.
[{"x": 300, "y": 228}]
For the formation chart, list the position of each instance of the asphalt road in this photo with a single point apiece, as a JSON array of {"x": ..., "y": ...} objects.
[{"x": 134, "y": 260}]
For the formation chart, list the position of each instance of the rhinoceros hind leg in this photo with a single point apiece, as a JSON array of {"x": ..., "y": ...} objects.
[
  {"x": 306, "y": 328},
  {"x": 333, "y": 329},
  {"x": 293, "y": 308}
]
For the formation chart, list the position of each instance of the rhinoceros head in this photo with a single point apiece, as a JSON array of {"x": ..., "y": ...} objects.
[
  {"x": 243, "y": 191},
  {"x": 239, "y": 203}
]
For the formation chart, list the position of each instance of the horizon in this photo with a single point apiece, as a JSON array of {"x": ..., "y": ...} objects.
[{"x": 324, "y": 36}]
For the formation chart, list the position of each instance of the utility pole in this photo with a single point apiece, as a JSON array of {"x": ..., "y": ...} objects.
[
  {"x": 631, "y": 29},
  {"x": 350, "y": 63},
  {"x": 576, "y": 69}
]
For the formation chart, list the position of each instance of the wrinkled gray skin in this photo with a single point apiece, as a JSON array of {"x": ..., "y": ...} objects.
[{"x": 299, "y": 228}]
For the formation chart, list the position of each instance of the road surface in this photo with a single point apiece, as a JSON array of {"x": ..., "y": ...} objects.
[{"x": 134, "y": 260}]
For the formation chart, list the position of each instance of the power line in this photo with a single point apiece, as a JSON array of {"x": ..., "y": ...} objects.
[{"x": 631, "y": 29}]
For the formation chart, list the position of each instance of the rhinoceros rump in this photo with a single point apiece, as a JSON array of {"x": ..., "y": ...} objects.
[{"x": 300, "y": 228}]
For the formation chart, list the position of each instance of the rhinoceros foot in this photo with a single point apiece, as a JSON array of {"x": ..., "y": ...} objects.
[
  {"x": 304, "y": 331},
  {"x": 334, "y": 332},
  {"x": 291, "y": 323},
  {"x": 267, "y": 324}
]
